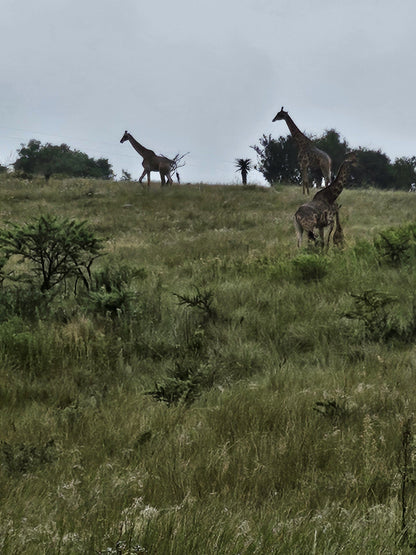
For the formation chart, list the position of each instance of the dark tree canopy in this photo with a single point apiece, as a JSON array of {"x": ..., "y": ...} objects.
[
  {"x": 404, "y": 172},
  {"x": 47, "y": 160},
  {"x": 278, "y": 159},
  {"x": 332, "y": 143},
  {"x": 373, "y": 169}
]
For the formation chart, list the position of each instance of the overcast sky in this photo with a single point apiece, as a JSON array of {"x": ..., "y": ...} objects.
[{"x": 205, "y": 77}]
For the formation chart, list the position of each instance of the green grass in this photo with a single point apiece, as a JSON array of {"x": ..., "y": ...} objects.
[{"x": 267, "y": 423}]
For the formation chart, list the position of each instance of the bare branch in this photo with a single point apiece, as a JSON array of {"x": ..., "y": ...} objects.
[{"x": 177, "y": 161}]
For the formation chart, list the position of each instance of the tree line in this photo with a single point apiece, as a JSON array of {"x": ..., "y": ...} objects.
[
  {"x": 35, "y": 159},
  {"x": 277, "y": 161}
]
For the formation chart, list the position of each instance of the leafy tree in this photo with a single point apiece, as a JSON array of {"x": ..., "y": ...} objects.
[
  {"x": 404, "y": 172},
  {"x": 278, "y": 159},
  {"x": 373, "y": 169},
  {"x": 53, "y": 249},
  {"x": 243, "y": 166},
  {"x": 3, "y": 169},
  {"x": 37, "y": 159}
]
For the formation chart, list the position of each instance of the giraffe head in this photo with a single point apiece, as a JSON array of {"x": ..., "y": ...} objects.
[
  {"x": 351, "y": 158},
  {"x": 125, "y": 137},
  {"x": 280, "y": 115}
]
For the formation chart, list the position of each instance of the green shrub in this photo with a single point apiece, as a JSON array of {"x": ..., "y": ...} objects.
[
  {"x": 373, "y": 309},
  {"x": 201, "y": 300},
  {"x": 184, "y": 385},
  {"x": 110, "y": 303},
  {"x": 394, "y": 246},
  {"x": 23, "y": 457},
  {"x": 54, "y": 249},
  {"x": 113, "y": 277}
]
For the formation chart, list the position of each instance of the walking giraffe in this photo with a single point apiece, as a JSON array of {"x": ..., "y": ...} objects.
[
  {"x": 310, "y": 157},
  {"x": 151, "y": 161},
  {"x": 322, "y": 210}
]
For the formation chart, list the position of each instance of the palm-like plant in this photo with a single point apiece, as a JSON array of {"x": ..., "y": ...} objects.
[{"x": 243, "y": 166}]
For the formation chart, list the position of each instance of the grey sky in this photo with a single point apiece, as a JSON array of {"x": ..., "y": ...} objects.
[{"x": 205, "y": 77}]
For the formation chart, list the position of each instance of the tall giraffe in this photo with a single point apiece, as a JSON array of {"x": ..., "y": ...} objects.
[
  {"x": 310, "y": 157},
  {"x": 322, "y": 210},
  {"x": 151, "y": 161}
]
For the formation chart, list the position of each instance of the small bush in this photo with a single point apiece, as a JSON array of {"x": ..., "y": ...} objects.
[
  {"x": 110, "y": 303},
  {"x": 202, "y": 300},
  {"x": 53, "y": 249},
  {"x": 394, "y": 246},
  {"x": 116, "y": 277},
  {"x": 184, "y": 386},
  {"x": 23, "y": 457},
  {"x": 372, "y": 308}
]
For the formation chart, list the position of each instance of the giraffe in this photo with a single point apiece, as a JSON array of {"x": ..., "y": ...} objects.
[
  {"x": 310, "y": 157},
  {"x": 151, "y": 161},
  {"x": 322, "y": 210}
]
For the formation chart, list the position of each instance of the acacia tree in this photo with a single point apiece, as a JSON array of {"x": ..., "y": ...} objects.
[
  {"x": 53, "y": 250},
  {"x": 243, "y": 166},
  {"x": 37, "y": 159}
]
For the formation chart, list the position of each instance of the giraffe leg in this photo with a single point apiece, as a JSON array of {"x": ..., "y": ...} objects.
[
  {"x": 141, "y": 177},
  {"x": 321, "y": 237},
  {"x": 305, "y": 178},
  {"x": 331, "y": 227},
  {"x": 299, "y": 231}
]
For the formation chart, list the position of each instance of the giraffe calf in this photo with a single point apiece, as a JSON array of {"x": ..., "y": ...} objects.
[
  {"x": 311, "y": 215},
  {"x": 322, "y": 210}
]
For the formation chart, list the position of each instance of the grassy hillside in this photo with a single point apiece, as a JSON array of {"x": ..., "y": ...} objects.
[{"x": 218, "y": 391}]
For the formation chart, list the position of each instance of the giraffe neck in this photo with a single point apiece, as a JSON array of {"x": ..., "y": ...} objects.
[
  {"x": 338, "y": 184},
  {"x": 331, "y": 193},
  {"x": 296, "y": 133},
  {"x": 143, "y": 151}
]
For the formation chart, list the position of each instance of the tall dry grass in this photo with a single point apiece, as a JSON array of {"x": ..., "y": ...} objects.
[{"x": 266, "y": 421}]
